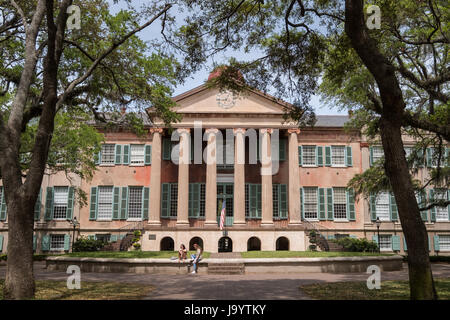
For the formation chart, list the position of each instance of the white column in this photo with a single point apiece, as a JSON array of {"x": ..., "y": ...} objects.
[
  {"x": 211, "y": 178},
  {"x": 183, "y": 178},
  {"x": 239, "y": 177},
  {"x": 266, "y": 178},
  {"x": 155, "y": 179},
  {"x": 294, "y": 179}
]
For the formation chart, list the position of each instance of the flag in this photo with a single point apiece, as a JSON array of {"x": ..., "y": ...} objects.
[{"x": 222, "y": 215}]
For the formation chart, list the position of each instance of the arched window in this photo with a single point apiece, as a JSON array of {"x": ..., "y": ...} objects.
[
  {"x": 167, "y": 244},
  {"x": 196, "y": 240},
  {"x": 254, "y": 244},
  {"x": 225, "y": 244},
  {"x": 282, "y": 243}
]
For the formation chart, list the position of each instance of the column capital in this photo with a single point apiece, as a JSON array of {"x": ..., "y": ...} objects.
[
  {"x": 266, "y": 130},
  {"x": 364, "y": 144},
  {"x": 294, "y": 130},
  {"x": 156, "y": 130},
  {"x": 239, "y": 130},
  {"x": 211, "y": 130}
]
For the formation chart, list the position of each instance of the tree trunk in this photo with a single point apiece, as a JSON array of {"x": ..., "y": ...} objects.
[
  {"x": 420, "y": 275},
  {"x": 19, "y": 283}
]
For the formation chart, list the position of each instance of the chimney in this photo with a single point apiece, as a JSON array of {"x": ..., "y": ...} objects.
[{"x": 123, "y": 110}]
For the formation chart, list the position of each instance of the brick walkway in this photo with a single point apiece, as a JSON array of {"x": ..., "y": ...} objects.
[{"x": 239, "y": 287}]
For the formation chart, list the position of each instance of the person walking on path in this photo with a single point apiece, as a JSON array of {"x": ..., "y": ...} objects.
[{"x": 196, "y": 257}]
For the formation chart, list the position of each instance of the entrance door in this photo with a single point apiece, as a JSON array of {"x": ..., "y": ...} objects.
[
  {"x": 225, "y": 244},
  {"x": 225, "y": 193}
]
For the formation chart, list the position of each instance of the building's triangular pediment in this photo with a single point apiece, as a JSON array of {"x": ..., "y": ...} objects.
[{"x": 211, "y": 100}]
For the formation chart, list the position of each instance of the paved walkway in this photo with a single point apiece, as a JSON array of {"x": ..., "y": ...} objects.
[{"x": 233, "y": 287}]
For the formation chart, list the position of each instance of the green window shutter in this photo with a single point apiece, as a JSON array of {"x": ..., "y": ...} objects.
[
  {"x": 436, "y": 243},
  {"x": 375, "y": 239},
  {"x": 124, "y": 204},
  {"x": 302, "y": 204},
  {"x": 283, "y": 201},
  {"x": 145, "y": 202},
  {"x": 393, "y": 207},
  {"x": 34, "y": 243},
  {"x": 258, "y": 201},
  {"x": 167, "y": 144},
  {"x": 351, "y": 205},
  {"x": 432, "y": 210},
  {"x": 66, "y": 242},
  {"x": 348, "y": 158},
  {"x": 116, "y": 203},
  {"x": 282, "y": 148},
  {"x": 276, "y": 191},
  {"x": 253, "y": 200},
  {"x": 405, "y": 247},
  {"x": 165, "y": 200},
  {"x": 98, "y": 158},
  {"x": 448, "y": 207},
  {"x": 371, "y": 156},
  {"x": 321, "y": 202},
  {"x": 148, "y": 154},
  {"x": 118, "y": 154},
  {"x": 429, "y": 157},
  {"x": 45, "y": 245},
  {"x": 300, "y": 155},
  {"x": 429, "y": 243},
  {"x": 49, "y": 204},
  {"x": 328, "y": 156},
  {"x": 37, "y": 206},
  {"x": 395, "y": 240},
  {"x": 196, "y": 200},
  {"x": 126, "y": 154},
  {"x": 330, "y": 203},
  {"x": 93, "y": 207},
  {"x": 3, "y": 205},
  {"x": 319, "y": 158},
  {"x": 191, "y": 199},
  {"x": 70, "y": 202},
  {"x": 1, "y": 243},
  {"x": 373, "y": 208}
]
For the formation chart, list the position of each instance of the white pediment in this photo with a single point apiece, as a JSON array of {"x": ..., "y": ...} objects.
[{"x": 206, "y": 100}]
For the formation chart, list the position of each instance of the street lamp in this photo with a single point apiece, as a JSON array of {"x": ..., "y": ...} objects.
[
  {"x": 378, "y": 223},
  {"x": 75, "y": 223}
]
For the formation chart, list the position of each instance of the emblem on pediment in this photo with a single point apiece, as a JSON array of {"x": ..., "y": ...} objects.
[{"x": 226, "y": 99}]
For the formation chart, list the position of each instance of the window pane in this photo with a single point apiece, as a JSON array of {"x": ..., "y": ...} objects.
[
  {"x": 57, "y": 242},
  {"x": 310, "y": 203},
  {"x": 173, "y": 199},
  {"x": 309, "y": 155},
  {"x": 441, "y": 212},
  {"x": 444, "y": 242},
  {"x": 339, "y": 203},
  {"x": 378, "y": 153},
  {"x": 60, "y": 202},
  {"x": 275, "y": 206},
  {"x": 338, "y": 155},
  {"x": 385, "y": 242},
  {"x": 202, "y": 199},
  {"x": 108, "y": 154},
  {"x": 137, "y": 154},
  {"x": 105, "y": 203},
  {"x": 135, "y": 203},
  {"x": 382, "y": 206}
]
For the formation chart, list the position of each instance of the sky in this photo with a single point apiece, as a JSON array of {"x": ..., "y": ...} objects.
[{"x": 198, "y": 78}]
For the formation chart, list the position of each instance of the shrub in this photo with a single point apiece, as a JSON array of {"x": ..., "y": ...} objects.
[
  {"x": 357, "y": 245},
  {"x": 84, "y": 244}
]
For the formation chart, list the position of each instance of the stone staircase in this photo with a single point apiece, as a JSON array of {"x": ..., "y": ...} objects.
[{"x": 226, "y": 268}]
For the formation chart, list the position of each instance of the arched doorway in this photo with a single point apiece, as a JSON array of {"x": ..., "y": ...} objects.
[
  {"x": 225, "y": 244},
  {"x": 254, "y": 244},
  {"x": 196, "y": 240},
  {"x": 282, "y": 244},
  {"x": 167, "y": 244}
]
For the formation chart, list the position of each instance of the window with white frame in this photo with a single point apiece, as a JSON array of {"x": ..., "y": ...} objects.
[
  {"x": 108, "y": 154},
  {"x": 382, "y": 206},
  {"x": 339, "y": 204},
  {"x": 377, "y": 153},
  {"x": 338, "y": 156},
  {"x": 385, "y": 242},
  {"x": 441, "y": 212},
  {"x": 135, "y": 203},
  {"x": 173, "y": 200},
  {"x": 57, "y": 242},
  {"x": 137, "y": 154},
  {"x": 310, "y": 203},
  {"x": 105, "y": 203},
  {"x": 444, "y": 242},
  {"x": 408, "y": 151},
  {"x": 309, "y": 155},
  {"x": 60, "y": 199}
]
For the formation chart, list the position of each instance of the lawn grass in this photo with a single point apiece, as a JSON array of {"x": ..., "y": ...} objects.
[
  {"x": 306, "y": 254},
  {"x": 131, "y": 254},
  {"x": 57, "y": 290},
  {"x": 390, "y": 290}
]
